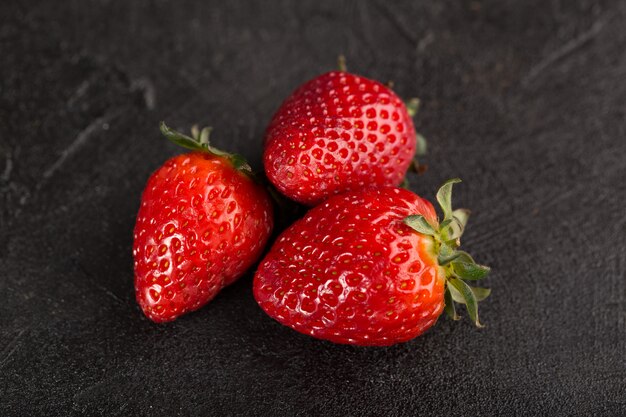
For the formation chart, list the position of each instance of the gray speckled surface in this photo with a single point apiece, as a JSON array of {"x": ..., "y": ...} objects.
[{"x": 526, "y": 101}]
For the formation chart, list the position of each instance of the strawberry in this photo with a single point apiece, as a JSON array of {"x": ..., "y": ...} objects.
[
  {"x": 203, "y": 221},
  {"x": 370, "y": 267},
  {"x": 339, "y": 132}
]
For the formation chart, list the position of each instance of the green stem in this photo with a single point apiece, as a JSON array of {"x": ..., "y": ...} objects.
[{"x": 341, "y": 63}]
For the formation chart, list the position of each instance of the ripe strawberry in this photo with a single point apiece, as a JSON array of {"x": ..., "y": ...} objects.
[
  {"x": 338, "y": 132},
  {"x": 370, "y": 267},
  {"x": 202, "y": 223}
]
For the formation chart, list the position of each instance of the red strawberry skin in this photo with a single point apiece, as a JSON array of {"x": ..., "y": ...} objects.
[
  {"x": 201, "y": 225},
  {"x": 352, "y": 272},
  {"x": 338, "y": 132}
]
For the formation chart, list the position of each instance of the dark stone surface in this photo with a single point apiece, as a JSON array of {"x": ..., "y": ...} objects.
[{"x": 525, "y": 101}]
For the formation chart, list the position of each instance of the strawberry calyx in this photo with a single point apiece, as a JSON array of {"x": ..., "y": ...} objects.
[
  {"x": 458, "y": 265},
  {"x": 199, "y": 141}
]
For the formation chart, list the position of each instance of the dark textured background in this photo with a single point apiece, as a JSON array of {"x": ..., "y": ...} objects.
[{"x": 526, "y": 101}]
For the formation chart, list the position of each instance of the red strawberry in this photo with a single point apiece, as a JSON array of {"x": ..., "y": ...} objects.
[
  {"x": 370, "y": 267},
  {"x": 202, "y": 223},
  {"x": 338, "y": 132}
]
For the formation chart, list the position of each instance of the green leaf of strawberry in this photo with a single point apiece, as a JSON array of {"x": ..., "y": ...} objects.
[
  {"x": 444, "y": 197},
  {"x": 479, "y": 292},
  {"x": 470, "y": 270},
  {"x": 421, "y": 147},
  {"x": 449, "y": 305},
  {"x": 446, "y": 254},
  {"x": 468, "y": 296},
  {"x": 461, "y": 216},
  {"x": 419, "y": 223}
]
